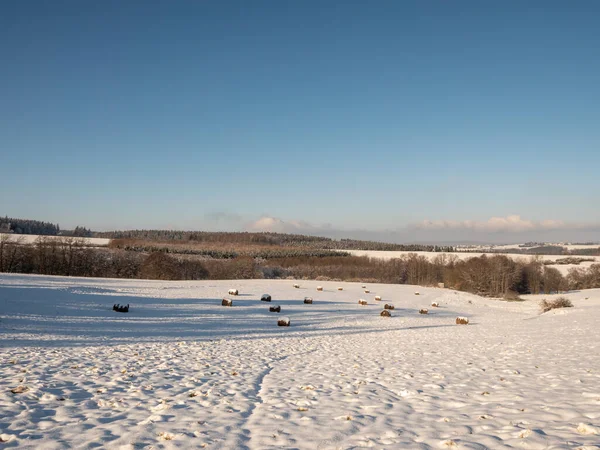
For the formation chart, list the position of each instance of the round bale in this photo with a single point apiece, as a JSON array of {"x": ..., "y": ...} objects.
[
  {"x": 386, "y": 313},
  {"x": 423, "y": 311},
  {"x": 283, "y": 322},
  {"x": 265, "y": 298},
  {"x": 227, "y": 302},
  {"x": 308, "y": 300}
]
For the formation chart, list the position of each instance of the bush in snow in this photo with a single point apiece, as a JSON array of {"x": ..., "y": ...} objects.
[{"x": 560, "y": 302}]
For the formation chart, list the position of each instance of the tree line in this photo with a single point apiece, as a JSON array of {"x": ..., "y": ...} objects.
[
  {"x": 28, "y": 226},
  {"x": 494, "y": 276}
]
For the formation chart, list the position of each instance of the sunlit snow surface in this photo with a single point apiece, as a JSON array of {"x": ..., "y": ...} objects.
[{"x": 181, "y": 371}]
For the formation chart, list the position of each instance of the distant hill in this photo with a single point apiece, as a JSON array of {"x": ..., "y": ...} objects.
[{"x": 268, "y": 239}]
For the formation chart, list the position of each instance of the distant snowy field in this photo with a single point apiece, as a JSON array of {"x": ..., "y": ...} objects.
[
  {"x": 31, "y": 238},
  {"x": 563, "y": 268},
  {"x": 181, "y": 371}
]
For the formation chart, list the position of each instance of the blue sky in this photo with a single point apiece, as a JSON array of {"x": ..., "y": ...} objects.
[{"x": 337, "y": 115}]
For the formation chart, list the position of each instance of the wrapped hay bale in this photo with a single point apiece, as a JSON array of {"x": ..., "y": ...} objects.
[
  {"x": 308, "y": 300},
  {"x": 297, "y": 286},
  {"x": 387, "y": 306},
  {"x": 367, "y": 291},
  {"x": 340, "y": 288},
  {"x": 319, "y": 288},
  {"x": 276, "y": 308},
  {"x": 283, "y": 322},
  {"x": 417, "y": 293},
  {"x": 435, "y": 304},
  {"x": 462, "y": 321},
  {"x": 227, "y": 302},
  {"x": 233, "y": 292},
  {"x": 378, "y": 298},
  {"x": 362, "y": 302},
  {"x": 423, "y": 311},
  {"x": 386, "y": 313},
  {"x": 265, "y": 298}
]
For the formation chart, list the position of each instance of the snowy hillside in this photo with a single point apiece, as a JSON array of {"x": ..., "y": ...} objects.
[{"x": 181, "y": 371}]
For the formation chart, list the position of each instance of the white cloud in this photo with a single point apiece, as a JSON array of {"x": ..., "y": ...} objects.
[
  {"x": 508, "y": 224},
  {"x": 275, "y": 225}
]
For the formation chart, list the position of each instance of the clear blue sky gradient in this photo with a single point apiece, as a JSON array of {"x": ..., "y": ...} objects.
[{"x": 370, "y": 115}]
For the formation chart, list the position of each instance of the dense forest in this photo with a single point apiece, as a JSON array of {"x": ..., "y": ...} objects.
[{"x": 27, "y": 226}]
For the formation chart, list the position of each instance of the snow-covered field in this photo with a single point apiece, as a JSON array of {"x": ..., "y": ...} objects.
[
  {"x": 31, "y": 238},
  {"x": 181, "y": 371},
  {"x": 563, "y": 268},
  {"x": 487, "y": 248}
]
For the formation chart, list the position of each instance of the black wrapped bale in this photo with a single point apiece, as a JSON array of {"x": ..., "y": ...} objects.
[
  {"x": 275, "y": 308},
  {"x": 308, "y": 300},
  {"x": 265, "y": 298},
  {"x": 121, "y": 308},
  {"x": 386, "y": 313},
  {"x": 388, "y": 306}
]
